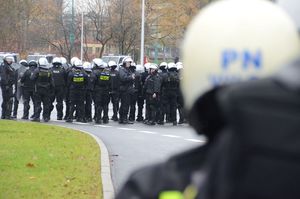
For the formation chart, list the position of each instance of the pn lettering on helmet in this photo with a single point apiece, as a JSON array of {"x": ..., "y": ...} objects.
[{"x": 246, "y": 59}]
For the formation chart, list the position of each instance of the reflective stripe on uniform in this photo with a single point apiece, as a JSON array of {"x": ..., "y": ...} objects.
[{"x": 171, "y": 195}]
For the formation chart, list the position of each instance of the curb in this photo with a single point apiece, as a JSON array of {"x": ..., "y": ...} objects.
[
  {"x": 108, "y": 189},
  {"x": 107, "y": 185}
]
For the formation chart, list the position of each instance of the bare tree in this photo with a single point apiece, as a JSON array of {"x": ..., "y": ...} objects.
[
  {"x": 126, "y": 24},
  {"x": 100, "y": 17}
]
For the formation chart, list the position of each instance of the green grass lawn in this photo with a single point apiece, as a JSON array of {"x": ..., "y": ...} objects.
[{"x": 42, "y": 161}]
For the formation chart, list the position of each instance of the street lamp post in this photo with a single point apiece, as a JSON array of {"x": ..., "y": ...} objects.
[
  {"x": 143, "y": 33},
  {"x": 81, "y": 49},
  {"x": 72, "y": 34}
]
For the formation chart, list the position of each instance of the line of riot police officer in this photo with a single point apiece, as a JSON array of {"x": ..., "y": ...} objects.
[{"x": 80, "y": 84}]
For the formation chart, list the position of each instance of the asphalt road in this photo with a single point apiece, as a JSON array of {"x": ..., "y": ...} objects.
[{"x": 133, "y": 146}]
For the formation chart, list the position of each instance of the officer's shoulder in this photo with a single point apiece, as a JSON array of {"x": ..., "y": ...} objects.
[
  {"x": 174, "y": 173},
  {"x": 247, "y": 89}
]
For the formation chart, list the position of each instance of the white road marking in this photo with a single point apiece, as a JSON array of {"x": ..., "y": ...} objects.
[
  {"x": 171, "y": 136},
  {"x": 58, "y": 121},
  {"x": 103, "y": 126},
  {"x": 127, "y": 129},
  {"x": 194, "y": 140},
  {"x": 148, "y": 132},
  {"x": 81, "y": 123}
]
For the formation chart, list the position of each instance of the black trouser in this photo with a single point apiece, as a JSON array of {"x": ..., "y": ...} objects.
[
  {"x": 102, "y": 100},
  {"x": 77, "y": 97},
  {"x": 115, "y": 100},
  {"x": 42, "y": 96},
  {"x": 88, "y": 104},
  {"x": 58, "y": 94},
  {"x": 16, "y": 105},
  {"x": 27, "y": 94},
  {"x": 124, "y": 108},
  {"x": 68, "y": 103},
  {"x": 153, "y": 107},
  {"x": 169, "y": 105},
  {"x": 180, "y": 106},
  {"x": 140, "y": 102},
  {"x": 132, "y": 106},
  {"x": 7, "y": 96}
]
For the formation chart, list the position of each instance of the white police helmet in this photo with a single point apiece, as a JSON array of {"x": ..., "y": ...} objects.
[
  {"x": 153, "y": 66},
  {"x": 112, "y": 63},
  {"x": 127, "y": 59},
  {"x": 292, "y": 7},
  {"x": 171, "y": 65},
  {"x": 23, "y": 62},
  {"x": 87, "y": 66},
  {"x": 63, "y": 60},
  {"x": 73, "y": 59},
  {"x": 233, "y": 40},
  {"x": 147, "y": 65},
  {"x": 179, "y": 65},
  {"x": 97, "y": 62},
  {"x": 163, "y": 64},
  {"x": 9, "y": 58},
  {"x": 43, "y": 63},
  {"x": 56, "y": 60},
  {"x": 78, "y": 63}
]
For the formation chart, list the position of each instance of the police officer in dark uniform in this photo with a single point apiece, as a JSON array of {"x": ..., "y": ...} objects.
[
  {"x": 68, "y": 68},
  {"x": 77, "y": 83},
  {"x": 43, "y": 79},
  {"x": 8, "y": 77},
  {"x": 246, "y": 155},
  {"x": 141, "y": 96},
  {"x": 18, "y": 93},
  {"x": 152, "y": 89},
  {"x": 102, "y": 89},
  {"x": 170, "y": 86},
  {"x": 164, "y": 110},
  {"x": 59, "y": 78},
  {"x": 127, "y": 78},
  {"x": 28, "y": 88},
  {"x": 136, "y": 91},
  {"x": 115, "y": 89},
  {"x": 89, "y": 91}
]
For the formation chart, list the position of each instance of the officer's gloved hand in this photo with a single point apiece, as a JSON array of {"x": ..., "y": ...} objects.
[{"x": 206, "y": 116}]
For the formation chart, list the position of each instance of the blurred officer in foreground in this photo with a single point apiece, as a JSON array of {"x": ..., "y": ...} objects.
[
  {"x": 7, "y": 81},
  {"x": 43, "y": 81},
  {"x": 28, "y": 88},
  {"x": 252, "y": 127}
]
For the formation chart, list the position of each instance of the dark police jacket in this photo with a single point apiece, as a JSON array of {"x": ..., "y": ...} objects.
[
  {"x": 152, "y": 84},
  {"x": 102, "y": 79},
  {"x": 28, "y": 83},
  {"x": 7, "y": 75},
  {"x": 59, "y": 76},
  {"x": 77, "y": 80},
  {"x": 126, "y": 80},
  {"x": 115, "y": 81},
  {"x": 43, "y": 79},
  {"x": 253, "y": 147}
]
